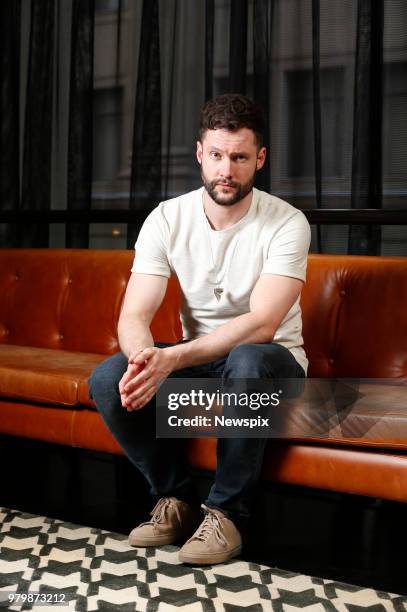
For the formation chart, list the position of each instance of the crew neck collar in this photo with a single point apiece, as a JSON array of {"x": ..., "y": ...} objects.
[{"x": 245, "y": 219}]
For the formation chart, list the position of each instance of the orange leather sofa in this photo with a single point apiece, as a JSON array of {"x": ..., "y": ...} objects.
[{"x": 58, "y": 318}]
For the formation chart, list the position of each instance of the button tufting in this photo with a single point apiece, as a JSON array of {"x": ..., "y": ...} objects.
[
  {"x": 331, "y": 360},
  {"x": 16, "y": 277},
  {"x": 6, "y": 332},
  {"x": 61, "y": 336},
  {"x": 70, "y": 280},
  {"x": 342, "y": 292}
]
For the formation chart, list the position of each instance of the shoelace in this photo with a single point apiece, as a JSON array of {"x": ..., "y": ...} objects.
[
  {"x": 159, "y": 511},
  {"x": 211, "y": 525}
]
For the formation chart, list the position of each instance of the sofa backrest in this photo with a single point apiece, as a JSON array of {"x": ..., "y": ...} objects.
[
  {"x": 70, "y": 299},
  {"x": 354, "y": 308},
  {"x": 355, "y": 316}
]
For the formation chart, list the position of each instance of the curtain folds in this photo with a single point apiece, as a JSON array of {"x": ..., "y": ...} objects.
[
  {"x": 169, "y": 102},
  {"x": 145, "y": 184},
  {"x": 262, "y": 16},
  {"x": 238, "y": 46},
  {"x": 100, "y": 103},
  {"x": 209, "y": 47},
  {"x": 36, "y": 176},
  {"x": 118, "y": 39},
  {"x": 80, "y": 120},
  {"x": 316, "y": 97},
  {"x": 9, "y": 113},
  {"x": 367, "y": 121}
]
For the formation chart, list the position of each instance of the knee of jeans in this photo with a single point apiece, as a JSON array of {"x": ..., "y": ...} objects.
[
  {"x": 245, "y": 361},
  {"x": 104, "y": 381}
]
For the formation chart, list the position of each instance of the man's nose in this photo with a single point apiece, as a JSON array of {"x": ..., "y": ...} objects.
[{"x": 226, "y": 168}]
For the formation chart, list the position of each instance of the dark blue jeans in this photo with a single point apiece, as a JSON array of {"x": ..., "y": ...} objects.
[{"x": 162, "y": 460}]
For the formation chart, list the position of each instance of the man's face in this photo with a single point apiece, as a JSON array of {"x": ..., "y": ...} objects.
[{"x": 229, "y": 162}]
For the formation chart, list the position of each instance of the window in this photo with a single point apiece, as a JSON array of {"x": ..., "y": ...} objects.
[
  {"x": 395, "y": 121},
  {"x": 107, "y": 122},
  {"x": 109, "y": 5},
  {"x": 299, "y": 159}
]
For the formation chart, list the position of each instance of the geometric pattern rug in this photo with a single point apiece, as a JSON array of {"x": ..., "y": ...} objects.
[{"x": 60, "y": 566}]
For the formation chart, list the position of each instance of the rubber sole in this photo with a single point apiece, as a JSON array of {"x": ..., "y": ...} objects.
[
  {"x": 210, "y": 558},
  {"x": 147, "y": 542}
]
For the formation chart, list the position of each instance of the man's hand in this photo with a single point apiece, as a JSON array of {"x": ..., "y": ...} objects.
[
  {"x": 130, "y": 373},
  {"x": 147, "y": 370},
  {"x": 144, "y": 295}
]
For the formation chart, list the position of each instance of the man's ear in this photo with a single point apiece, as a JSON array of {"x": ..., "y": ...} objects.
[
  {"x": 199, "y": 151},
  {"x": 261, "y": 158}
]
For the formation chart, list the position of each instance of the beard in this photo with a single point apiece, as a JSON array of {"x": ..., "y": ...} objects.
[{"x": 226, "y": 199}]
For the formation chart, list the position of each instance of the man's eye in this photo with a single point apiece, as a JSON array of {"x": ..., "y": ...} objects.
[
  {"x": 214, "y": 155},
  {"x": 241, "y": 157}
]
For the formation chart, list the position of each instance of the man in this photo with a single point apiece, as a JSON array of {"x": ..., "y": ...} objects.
[{"x": 240, "y": 257}]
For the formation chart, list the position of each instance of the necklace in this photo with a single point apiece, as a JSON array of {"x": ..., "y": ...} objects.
[{"x": 219, "y": 278}]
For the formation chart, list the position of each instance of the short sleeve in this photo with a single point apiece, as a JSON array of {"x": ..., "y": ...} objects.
[
  {"x": 288, "y": 249},
  {"x": 151, "y": 247}
]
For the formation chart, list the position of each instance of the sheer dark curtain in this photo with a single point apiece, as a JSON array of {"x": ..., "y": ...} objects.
[
  {"x": 316, "y": 91},
  {"x": 315, "y": 67},
  {"x": 9, "y": 112},
  {"x": 36, "y": 177},
  {"x": 80, "y": 119},
  {"x": 262, "y": 27},
  {"x": 100, "y": 103},
  {"x": 367, "y": 121},
  {"x": 238, "y": 46},
  {"x": 209, "y": 47},
  {"x": 30, "y": 71},
  {"x": 145, "y": 184}
]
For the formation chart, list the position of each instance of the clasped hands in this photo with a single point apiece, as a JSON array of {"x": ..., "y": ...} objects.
[{"x": 146, "y": 371}]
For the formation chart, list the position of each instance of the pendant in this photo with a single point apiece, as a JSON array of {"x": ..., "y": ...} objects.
[{"x": 218, "y": 292}]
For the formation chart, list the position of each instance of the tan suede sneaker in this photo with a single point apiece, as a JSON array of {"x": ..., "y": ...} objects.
[
  {"x": 216, "y": 540},
  {"x": 172, "y": 520}
]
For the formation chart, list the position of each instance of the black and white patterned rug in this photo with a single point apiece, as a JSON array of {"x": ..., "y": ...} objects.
[{"x": 54, "y": 565}]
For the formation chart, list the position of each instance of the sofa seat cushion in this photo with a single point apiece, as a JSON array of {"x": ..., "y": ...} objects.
[
  {"x": 365, "y": 414},
  {"x": 46, "y": 375},
  {"x": 377, "y": 419},
  {"x": 370, "y": 415}
]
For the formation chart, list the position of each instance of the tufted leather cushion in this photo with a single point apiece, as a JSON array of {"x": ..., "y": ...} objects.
[
  {"x": 354, "y": 316},
  {"x": 58, "y": 320},
  {"x": 46, "y": 375},
  {"x": 70, "y": 299},
  {"x": 362, "y": 414}
]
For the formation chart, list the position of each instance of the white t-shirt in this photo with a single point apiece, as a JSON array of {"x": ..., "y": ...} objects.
[{"x": 272, "y": 237}]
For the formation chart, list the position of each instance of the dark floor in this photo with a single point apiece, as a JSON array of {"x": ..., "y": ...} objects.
[{"x": 347, "y": 538}]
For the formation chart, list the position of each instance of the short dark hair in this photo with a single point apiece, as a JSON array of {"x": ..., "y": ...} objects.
[{"x": 232, "y": 112}]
